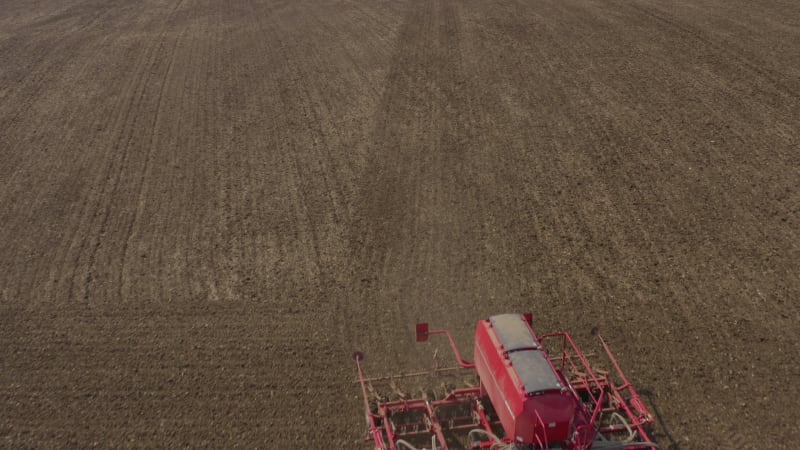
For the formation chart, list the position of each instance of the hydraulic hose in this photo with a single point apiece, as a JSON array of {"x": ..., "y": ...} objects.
[
  {"x": 618, "y": 416},
  {"x": 485, "y": 433},
  {"x": 408, "y": 446}
]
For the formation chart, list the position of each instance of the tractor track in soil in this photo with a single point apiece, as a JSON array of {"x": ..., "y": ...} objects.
[{"x": 205, "y": 208}]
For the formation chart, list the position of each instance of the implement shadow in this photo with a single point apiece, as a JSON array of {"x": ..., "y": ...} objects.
[{"x": 662, "y": 431}]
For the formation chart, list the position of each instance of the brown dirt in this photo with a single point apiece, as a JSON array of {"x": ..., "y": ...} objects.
[{"x": 205, "y": 207}]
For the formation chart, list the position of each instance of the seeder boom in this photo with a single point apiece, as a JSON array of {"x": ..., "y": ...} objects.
[{"x": 525, "y": 399}]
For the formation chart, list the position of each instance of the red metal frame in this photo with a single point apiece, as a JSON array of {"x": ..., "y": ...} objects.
[
  {"x": 615, "y": 409},
  {"x": 600, "y": 394}
]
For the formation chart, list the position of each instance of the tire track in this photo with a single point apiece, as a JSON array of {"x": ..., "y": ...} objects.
[
  {"x": 122, "y": 143},
  {"x": 417, "y": 196},
  {"x": 321, "y": 183},
  {"x": 59, "y": 116},
  {"x": 301, "y": 192},
  {"x": 229, "y": 268},
  {"x": 384, "y": 195},
  {"x": 45, "y": 197},
  {"x": 751, "y": 63},
  {"x": 45, "y": 59},
  {"x": 142, "y": 187}
]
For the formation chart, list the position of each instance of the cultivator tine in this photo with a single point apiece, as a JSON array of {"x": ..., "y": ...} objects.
[
  {"x": 397, "y": 390},
  {"x": 373, "y": 393}
]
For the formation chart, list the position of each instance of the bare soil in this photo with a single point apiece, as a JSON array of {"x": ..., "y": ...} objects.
[{"x": 206, "y": 207}]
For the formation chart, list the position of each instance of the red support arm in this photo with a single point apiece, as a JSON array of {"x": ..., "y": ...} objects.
[
  {"x": 373, "y": 429},
  {"x": 461, "y": 361}
]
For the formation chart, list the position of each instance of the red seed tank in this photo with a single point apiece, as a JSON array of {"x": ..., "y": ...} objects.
[{"x": 533, "y": 402}]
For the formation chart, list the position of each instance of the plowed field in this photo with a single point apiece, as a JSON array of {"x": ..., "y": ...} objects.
[{"x": 207, "y": 206}]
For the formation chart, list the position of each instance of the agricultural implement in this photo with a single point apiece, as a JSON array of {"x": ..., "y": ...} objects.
[{"x": 532, "y": 393}]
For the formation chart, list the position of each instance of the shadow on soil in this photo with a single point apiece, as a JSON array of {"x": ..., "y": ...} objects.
[{"x": 661, "y": 430}]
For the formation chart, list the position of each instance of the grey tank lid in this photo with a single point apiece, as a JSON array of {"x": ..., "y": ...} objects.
[
  {"x": 513, "y": 332},
  {"x": 534, "y": 371}
]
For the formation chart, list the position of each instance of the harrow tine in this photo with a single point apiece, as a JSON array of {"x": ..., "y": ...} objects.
[
  {"x": 397, "y": 390},
  {"x": 373, "y": 393}
]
